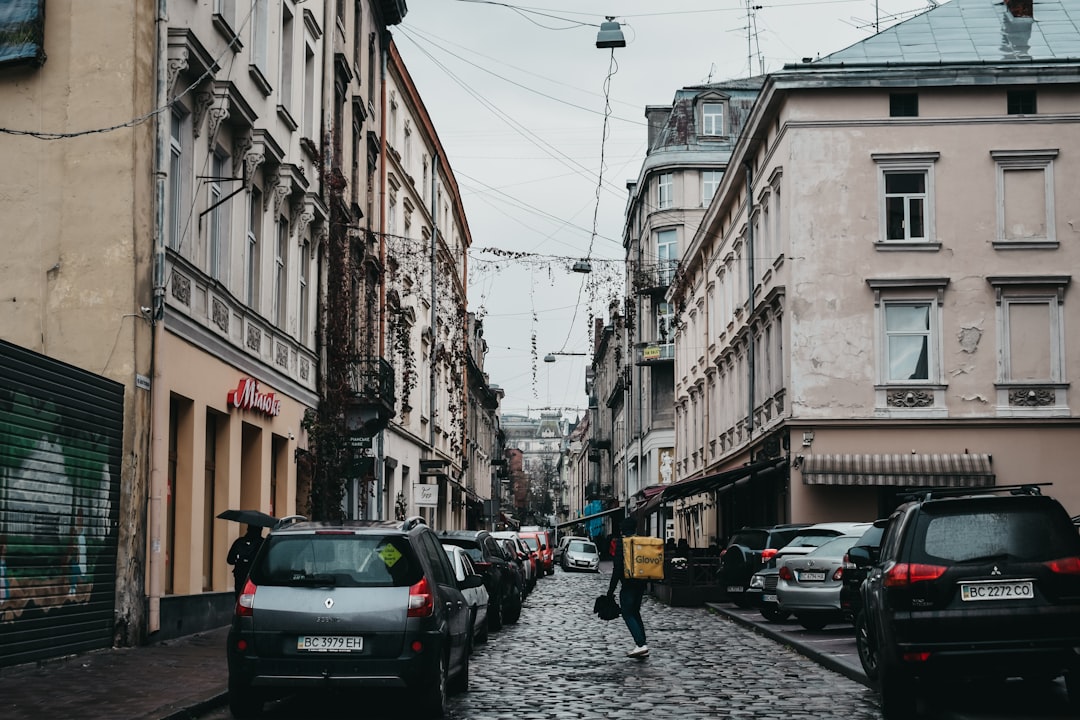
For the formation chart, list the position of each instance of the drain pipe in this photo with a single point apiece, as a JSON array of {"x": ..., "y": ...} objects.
[{"x": 750, "y": 354}]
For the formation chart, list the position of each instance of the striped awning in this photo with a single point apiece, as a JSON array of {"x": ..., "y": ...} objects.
[{"x": 906, "y": 470}]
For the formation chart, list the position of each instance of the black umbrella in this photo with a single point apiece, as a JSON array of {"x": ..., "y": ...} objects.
[{"x": 250, "y": 517}]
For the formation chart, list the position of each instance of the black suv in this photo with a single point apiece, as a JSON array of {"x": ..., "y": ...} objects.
[
  {"x": 744, "y": 555},
  {"x": 353, "y": 606},
  {"x": 857, "y": 561},
  {"x": 972, "y": 586},
  {"x": 502, "y": 578}
]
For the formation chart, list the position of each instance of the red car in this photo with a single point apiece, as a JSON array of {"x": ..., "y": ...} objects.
[{"x": 540, "y": 540}]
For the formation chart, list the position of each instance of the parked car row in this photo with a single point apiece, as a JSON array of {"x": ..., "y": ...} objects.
[
  {"x": 954, "y": 584},
  {"x": 366, "y": 604}
]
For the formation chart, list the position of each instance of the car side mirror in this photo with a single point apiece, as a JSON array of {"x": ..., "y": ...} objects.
[
  {"x": 861, "y": 555},
  {"x": 472, "y": 581}
]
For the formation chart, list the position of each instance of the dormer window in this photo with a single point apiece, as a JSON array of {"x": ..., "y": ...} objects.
[{"x": 712, "y": 118}]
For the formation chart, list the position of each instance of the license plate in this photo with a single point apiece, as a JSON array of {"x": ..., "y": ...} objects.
[
  {"x": 734, "y": 588},
  {"x": 811, "y": 576},
  {"x": 1018, "y": 590},
  {"x": 768, "y": 598},
  {"x": 329, "y": 643}
]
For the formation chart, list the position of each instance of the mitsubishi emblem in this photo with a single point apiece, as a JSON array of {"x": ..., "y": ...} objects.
[
  {"x": 995, "y": 571},
  {"x": 329, "y": 602}
]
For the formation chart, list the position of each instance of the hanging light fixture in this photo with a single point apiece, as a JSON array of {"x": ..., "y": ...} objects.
[
  {"x": 550, "y": 357},
  {"x": 610, "y": 35},
  {"x": 582, "y": 266}
]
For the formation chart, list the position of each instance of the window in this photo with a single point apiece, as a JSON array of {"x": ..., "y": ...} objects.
[
  {"x": 1031, "y": 328},
  {"x": 712, "y": 119},
  {"x": 286, "y": 56},
  {"x": 179, "y": 181},
  {"x": 906, "y": 182},
  {"x": 254, "y": 235},
  {"x": 1021, "y": 102},
  {"x": 663, "y": 191},
  {"x": 309, "y": 129},
  {"x": 665, "y": 326},
  {"x": 358, "y": 36},
  {"x": 903, "y": 104},
  {"x": 667, "y": 255},
  {"x": 907, "y": 341},
  {"x": 219, "y": 218},
  {"x": 305, "y": 255},
  {"x": 260, "y": 20},
  {"x": 280, "y": 268},
  {"x": 1025, "y": 198},
  {"x": 710, "y": 182}
]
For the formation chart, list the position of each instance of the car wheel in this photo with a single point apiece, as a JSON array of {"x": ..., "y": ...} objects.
[
  {"x": 512, "y": 609},
  {"x": 864, "y": 643},
  {"x": 243, "y": 701},
  {"x": 812, "y": 623},
  {"x": 899, "y": 701},
  {"x": 460, "y": 682},
  {"x": 773, "y": 613},
  {"x": 434, "y": 692},
  {"x": 495, "y": 620}
]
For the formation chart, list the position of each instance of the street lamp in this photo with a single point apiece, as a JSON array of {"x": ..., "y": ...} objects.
[
  {"x": 550, "y": 357},
  {"x": 610, "y": 35}
]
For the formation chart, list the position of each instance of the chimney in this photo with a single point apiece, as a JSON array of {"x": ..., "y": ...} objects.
[{"x": 1021, "y": 8}]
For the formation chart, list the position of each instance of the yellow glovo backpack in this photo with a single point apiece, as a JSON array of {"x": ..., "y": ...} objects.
[{"x": 643, "y": 557}]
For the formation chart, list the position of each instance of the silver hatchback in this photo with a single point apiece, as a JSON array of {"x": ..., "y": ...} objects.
[{"x": 364, "y": 604}]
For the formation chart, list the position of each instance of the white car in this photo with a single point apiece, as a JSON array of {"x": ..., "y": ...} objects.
[
  {"x": 563, "y": 542},
  {"x": 581, "y": 555},
  {"x": 476, "y": 597}
]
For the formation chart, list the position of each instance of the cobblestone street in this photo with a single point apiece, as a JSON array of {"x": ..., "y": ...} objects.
[{"x": 560, "y": 661}]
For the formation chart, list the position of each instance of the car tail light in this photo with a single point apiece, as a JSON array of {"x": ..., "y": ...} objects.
[
  {"x": 785, "y": 573},
  {"x": 421, "y": 602},
  {"x": 482, "y": 566},
  {"x": 1065, "y": 566},
  {"x": 846, "y": 563},
  {"x": 838, "y": 575},
  {"x": 904, "y": 574},
  {"x": 920, "y": 657},
  {"x": 768, "y": 554},
  {"x": 245, "y": 601}
]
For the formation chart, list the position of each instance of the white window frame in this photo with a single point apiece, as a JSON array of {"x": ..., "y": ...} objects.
[
  {"x": 667, "y": 255},
  {"x": 1046, "y": 290},
  {"x": 286, "y": 56},
  {"x": 179, "y": 176},
  {"x": 665, "y": 316},
  {"x": 894, "y": 163},
  {"x": 1006, "y": 160},
  {"x": 218, "y": 227},
  {"x": 710, "y": 183},
  {"x": 260, "y": 36},
  {"x": 665, "y": 186},
  {"x": 254, "y": 250},
  {"x": 281, "y": 269},
  {"x": 302, "y": 284},
  {"x": 712, "y": 121}
]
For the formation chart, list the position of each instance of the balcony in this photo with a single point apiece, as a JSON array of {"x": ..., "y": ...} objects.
[
  {"x": 652, "y": 353},
  {"x": 596, "y": 491},
  {"x": 371, "y": 406},
  {"x": 655, "y": 279}
]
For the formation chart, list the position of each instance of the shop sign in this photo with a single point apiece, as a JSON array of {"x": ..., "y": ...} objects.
[
  {"x": 246, "y": 396},
  {"x": 651, "y": 352},
  {"x": 425, "y": 495}
]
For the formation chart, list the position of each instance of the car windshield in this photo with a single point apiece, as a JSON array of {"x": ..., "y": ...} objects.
[
  {"x": 814, "y": 538},
  {"x": 582, "y": 547},
  {"x": 472, "y": 549},
  {"x": 337, "y": 560},
  {"x": 532, "y": 542},
  {"x": 1025, "y": 535}
]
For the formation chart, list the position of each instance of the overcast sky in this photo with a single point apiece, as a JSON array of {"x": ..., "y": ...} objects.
[{"x": 520, "y": 97}]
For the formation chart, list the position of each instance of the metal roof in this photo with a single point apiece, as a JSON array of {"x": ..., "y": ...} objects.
[{"x": 973, "y": 31}]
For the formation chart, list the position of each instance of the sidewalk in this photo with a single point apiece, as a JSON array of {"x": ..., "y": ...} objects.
[{"x": 171, "y": 680}]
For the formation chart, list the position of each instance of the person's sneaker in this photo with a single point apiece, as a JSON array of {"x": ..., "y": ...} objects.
[{"x": 638, "y": 652}]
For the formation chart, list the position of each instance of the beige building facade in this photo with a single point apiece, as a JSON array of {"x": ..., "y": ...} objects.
[{"x": 880, "y": 295}]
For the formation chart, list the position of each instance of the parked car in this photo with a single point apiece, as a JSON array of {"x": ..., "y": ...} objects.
[
  {"x": 581, "y": 555},
  {"x": 561, "y": 545},
  {"x": 476, "y": 597},
  {"x": 804, "y": 541},
  {"x": 743, "y": 556},
  {"x": 540, "y": 540},
  {"x": 867, "y": 547},
  {"x": 529, "y": 560},
  {"x": 809, "y": 585},
  {"x": 354, "y": 605},
  {"x": 523, "y": 565},
  {"x": 501, "y": 577},
  {"x": 969, "y": 585}
]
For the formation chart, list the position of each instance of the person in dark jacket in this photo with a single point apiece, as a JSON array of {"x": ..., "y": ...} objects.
[
  {"x": 631, "y": 594},
  {"x": 241, "y": 554}
]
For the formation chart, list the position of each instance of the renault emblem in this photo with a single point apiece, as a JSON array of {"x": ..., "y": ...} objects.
[
  {"x": 329, "y": 602},
  {"x": 995, "y": 571}
]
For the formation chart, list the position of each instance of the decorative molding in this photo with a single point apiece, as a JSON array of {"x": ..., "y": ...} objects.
[
  {"x": 302, "y": 224},
  {"x": 252, "y": 160},
  {"x": 203, "y": 101},
  {"x": 181, "y": 288},
  {"x": 218, "y": 115},
  {"x": 281, "y": 191},
  {"x": 305, "y": 369},
  {"x": 281, "y": 355},
  {"x": 909, "y": 398},
  {"x": 1032, "y": 397},
  {"x": 220, "y": 314},
  {"x": 178, "y": 63},
  {"x": 241, "y": 145},
  {"x": 254, "y": 338}
]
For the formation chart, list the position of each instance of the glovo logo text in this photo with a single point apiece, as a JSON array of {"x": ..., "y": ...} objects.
[{"x": 654, "y": 560}]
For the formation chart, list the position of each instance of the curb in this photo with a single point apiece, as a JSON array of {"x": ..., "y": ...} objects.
[
  {"x": 823, "y": 659},
  {"x": 197, "y": 710}
]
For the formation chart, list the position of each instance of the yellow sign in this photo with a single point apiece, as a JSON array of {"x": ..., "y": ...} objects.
[
  {"x": 390, "y": 555},
  {"x": 651, "y": 352}
]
